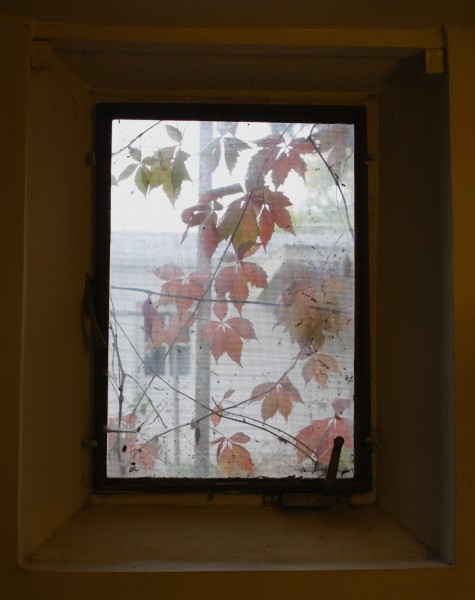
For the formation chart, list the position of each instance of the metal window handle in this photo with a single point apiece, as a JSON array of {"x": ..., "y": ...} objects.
[{"x": 330, "y": 479}]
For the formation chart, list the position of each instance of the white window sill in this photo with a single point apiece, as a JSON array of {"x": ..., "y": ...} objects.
[{"x": 153, "y": 538}]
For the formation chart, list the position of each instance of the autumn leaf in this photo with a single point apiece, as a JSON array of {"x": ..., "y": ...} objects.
[
  {"x": 276, "y": 397},
  {"x": 169, "y": 271},
  {"x": 233, "y": 281},
  {"x": 226, "y": 337},
  {"x": 254, "y": 274},
  {"x": 149, "y": 313},
  {"x": 239, "y": 222},
  {"x": 217, "y": 414},
  {"x": 271, "y": 208},
  {"x": 259, "y": 165},
  {"x": 318, "y": 367},
  {"x": 317, "y": 438},
  {"x": 233, "y": 459}
]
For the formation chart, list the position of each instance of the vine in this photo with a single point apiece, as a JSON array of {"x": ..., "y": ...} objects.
[{"x": 311, "y": 304}]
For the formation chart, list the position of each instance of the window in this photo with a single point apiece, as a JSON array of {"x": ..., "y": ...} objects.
[{"x": 232, "y": 295}]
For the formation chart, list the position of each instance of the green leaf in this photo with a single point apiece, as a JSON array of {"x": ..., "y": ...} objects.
[
  {"x": 142, "y": 179},
  {"x": 232, "y": 147},
  {"x": 226, "y": 127},
  {"x": 148, "y": 161},
  {"x": 165, "y": 154},
  {"x": 135, "y": 153},
  {"x": 127, "y": 172},
  {"x": 113, "y": 180},
  {"x": 211, "y": 155},
  {"x": 174, "y": 133},
  {"x": 156, "y": 174},
  {"x": 179, "y": 172}
]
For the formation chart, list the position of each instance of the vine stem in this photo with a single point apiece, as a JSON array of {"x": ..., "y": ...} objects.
[{"x": 336, "y": 179}]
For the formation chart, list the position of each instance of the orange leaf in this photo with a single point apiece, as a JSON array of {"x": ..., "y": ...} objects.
[
  {"x": 169, "y": 271},
  {"x": 226, "y": 461},
  {"x": 318, "y": 367},
  {"x": 254, "y": 274},
  {"x": 277, "y": 397},
  {"x": 243, "y": 327},
  {"x": 233, "y": 345},
  {"x": 217, "y": 415}
]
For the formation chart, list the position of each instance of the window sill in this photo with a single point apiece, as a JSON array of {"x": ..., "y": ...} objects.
[{"x": 158, "y": 538}]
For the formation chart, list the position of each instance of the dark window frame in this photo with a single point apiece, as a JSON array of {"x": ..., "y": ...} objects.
[{"x": 104, "y": 115}]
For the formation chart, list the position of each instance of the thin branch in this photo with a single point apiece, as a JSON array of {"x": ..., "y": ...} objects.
[
  {"x": 336, "y": 179},
  {"x": 135, "y": 138}
]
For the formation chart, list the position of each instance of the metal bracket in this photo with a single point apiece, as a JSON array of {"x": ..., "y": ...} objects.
[
  {"x": 41, "y": 57},
  {"x": 434, "y": 61},
  {"x": 323, "y": 501}
]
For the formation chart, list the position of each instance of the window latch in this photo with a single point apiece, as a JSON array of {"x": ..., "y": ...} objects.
[{"x": 325, "y": 500}]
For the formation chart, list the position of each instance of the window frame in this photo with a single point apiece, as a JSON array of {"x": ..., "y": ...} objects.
[{"x": 104, "y": 115}]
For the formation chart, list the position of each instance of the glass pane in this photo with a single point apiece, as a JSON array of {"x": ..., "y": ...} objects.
[{"x": 231, "y": 332}]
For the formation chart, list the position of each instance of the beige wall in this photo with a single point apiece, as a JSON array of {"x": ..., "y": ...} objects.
[{"x": 35, "y": 343}]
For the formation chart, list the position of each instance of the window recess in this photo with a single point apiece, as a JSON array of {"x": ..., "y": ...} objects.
[{"x": 232, "y": 291}]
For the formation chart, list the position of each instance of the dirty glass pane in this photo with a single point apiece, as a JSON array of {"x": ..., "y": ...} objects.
[{"x": 231, "y": 327}]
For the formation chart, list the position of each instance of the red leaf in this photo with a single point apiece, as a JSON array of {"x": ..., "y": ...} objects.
[
  {"x": 302, "y": 145},
  {"x": 240, "y": 291},
  {"x": 228, "y": 394},
  {"x": 266, "y": 226},
  {"x": 209, "y": 235},
  {"x": 320, "y": 435},
  {"x": 149, "y": 314},
  {"x": 178, "y": 328},
  {"x": 243, "y": 327},
  {"x": 297, "y": 163},
  {"x": 159, "y": 333},
  {"x": 233, "y": 345},
  {"x": 280, "y": 170},
  {"x": 235, "y": 461},
  {"x": 282, "y": 218},
  {"x": 220, "y": 309},
  {"x": 217, "y": 415},
  {"x": 254, "y": 274},
  {"x": 224, "y": 281},
  {"x": 240, "y": 438},
  {"x": 218, "y": 343},
  {"x": 169, "y": 271}
]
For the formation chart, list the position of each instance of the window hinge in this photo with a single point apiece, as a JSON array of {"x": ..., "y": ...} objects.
[
  {"x": 324, "y": 500},
  {"x": 434, "y": 61},
  {"x": 89, "y": 443},
  {"x": 41, "y": 56}
]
